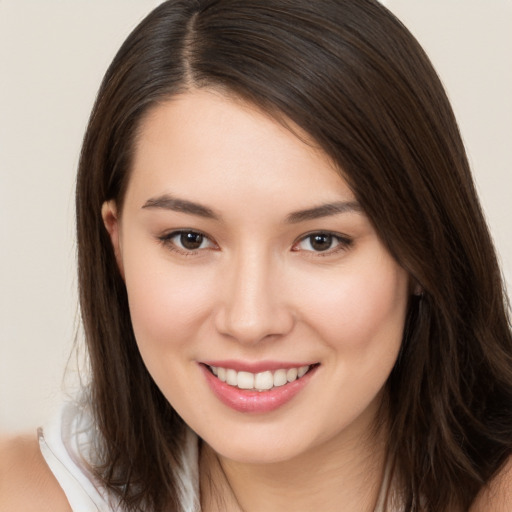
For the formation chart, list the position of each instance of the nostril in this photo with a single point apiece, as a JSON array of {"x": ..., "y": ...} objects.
[{"x": 250, "y": 327}]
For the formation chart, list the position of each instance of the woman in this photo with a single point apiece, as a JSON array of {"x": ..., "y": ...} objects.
[{"x": 289, "y": 294}]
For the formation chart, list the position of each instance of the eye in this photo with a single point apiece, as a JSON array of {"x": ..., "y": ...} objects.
[
  {"x": 187, "y": 241},
  {"x": 322, "y": 242}
]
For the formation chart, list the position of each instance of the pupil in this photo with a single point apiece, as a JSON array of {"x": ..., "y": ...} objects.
[
  {"x": 321, "y": 242},
  {"x": 191, "y": 240}
]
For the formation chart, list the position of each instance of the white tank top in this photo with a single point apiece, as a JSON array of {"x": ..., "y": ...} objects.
[{"x": 68, "y": 443}]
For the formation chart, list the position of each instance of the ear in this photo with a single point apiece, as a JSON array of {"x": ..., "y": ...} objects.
[
  {"x": 417, "y": 289},
  {"x": 111, "y": 222}
]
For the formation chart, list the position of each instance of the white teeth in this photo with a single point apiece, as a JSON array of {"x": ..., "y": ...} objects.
[
  {"x": 221, "y": 374},
  {"x": 262, "y": 381},
  {"x": 231, "y": 377},
  {"x": 291, "y": 374},
  {"x": 302, "y": 371},
  {"x": 280, "y": 378},
  {"x": 245, "y": 380}
]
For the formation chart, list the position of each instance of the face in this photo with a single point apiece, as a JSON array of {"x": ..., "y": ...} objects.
[{"x": 264, "y": 305}]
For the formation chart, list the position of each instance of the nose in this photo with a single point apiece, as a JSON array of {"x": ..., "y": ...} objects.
[{"x": 253, "y": 306}]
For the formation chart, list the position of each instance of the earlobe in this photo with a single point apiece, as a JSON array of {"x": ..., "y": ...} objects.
[
  {"x": 415, "y": 287},
  {"x": 111, "y": 222},
  {"x": 418, "y": 290}
]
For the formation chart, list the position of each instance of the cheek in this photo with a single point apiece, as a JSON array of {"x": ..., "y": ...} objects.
[
  {"x": 361, "y": 308},
  {"x": 360, "y": 319},
  {"x": 167, "y": 304}
]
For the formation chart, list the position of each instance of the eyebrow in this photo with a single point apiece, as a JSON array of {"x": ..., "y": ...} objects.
[
  {"x": 324, "y": 210},
  {"x": 167, "y": 202}
]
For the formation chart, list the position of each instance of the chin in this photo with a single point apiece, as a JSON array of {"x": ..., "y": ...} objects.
[
  {"x": 256, "y": 455},
  {"x": 260, "y": 445}
]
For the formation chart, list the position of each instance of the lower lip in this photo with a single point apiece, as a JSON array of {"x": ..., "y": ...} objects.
[{"x": 243, "y": 400}]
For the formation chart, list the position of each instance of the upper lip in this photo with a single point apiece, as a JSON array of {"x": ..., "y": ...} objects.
[{"x": 256, "y": 366}]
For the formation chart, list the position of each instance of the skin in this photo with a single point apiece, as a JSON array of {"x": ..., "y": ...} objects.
[
  {"x": 256, "y": 290},
  {"x": 26, "y": 482}
]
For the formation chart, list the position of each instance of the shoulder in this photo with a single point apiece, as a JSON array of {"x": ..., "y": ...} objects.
[
  {"x": 497, "y": 494},
  {"x": 26, "y": 482}
]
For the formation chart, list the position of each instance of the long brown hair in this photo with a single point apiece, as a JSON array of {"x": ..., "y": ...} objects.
[{"x": 350, "y": 75}]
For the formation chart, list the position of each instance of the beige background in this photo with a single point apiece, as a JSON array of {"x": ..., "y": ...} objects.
[{"x": 52, "y": 57}]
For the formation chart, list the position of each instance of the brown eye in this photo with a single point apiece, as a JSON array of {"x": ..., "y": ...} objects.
[
  {"x": 321, "y": 242},
  {"x": 190, "y": 240},
  {"x": 187, "y": 241}
]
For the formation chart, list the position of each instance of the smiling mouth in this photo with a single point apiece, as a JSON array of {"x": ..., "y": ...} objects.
[{"x": 262, "y": 381}]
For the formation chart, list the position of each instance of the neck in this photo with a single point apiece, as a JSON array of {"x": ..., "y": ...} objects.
[{"x": 338, "y": 473}]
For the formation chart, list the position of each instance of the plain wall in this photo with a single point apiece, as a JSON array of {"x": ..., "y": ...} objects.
[{"x": 53, "y": 55}]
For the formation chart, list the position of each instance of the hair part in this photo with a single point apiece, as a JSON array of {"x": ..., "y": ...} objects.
[{"x": 352, "y": 78}]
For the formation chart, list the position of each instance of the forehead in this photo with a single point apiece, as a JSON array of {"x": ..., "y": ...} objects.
[{"x": 204, "y": 143}]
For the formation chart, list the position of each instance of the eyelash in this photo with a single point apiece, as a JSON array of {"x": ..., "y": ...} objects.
[
  {"x": 343, "y": 242},
  {"x": 167, "y": 241}
]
